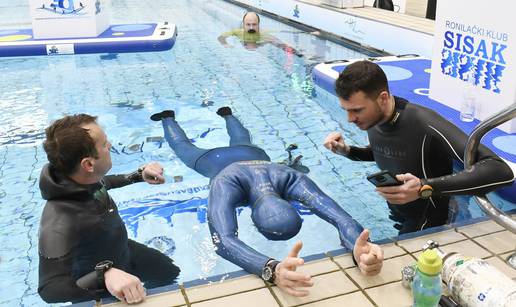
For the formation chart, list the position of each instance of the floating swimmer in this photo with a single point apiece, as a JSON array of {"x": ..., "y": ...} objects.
[{"x": 243, "y": 174}]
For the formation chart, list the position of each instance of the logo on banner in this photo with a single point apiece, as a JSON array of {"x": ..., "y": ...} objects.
[
  {"x": 296, "y": 11},
  {"x": 63, "y": 7},
  {"x": 474, "y": 54}
]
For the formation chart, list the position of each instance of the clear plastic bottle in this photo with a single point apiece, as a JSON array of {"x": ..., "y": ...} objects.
[
  {"x": 426, "y": 287},
  {"x": 469, "y": 101}
]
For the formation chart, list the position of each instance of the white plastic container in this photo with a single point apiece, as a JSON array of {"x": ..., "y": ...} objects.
[{"x": 474, "y": 282}]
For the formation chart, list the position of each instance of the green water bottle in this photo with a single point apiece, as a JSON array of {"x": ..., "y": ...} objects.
[{"x": 426, "y": 287}]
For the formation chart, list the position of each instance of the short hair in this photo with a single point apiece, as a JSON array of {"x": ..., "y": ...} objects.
[
  {"x": 243, "y": 18},
  {"x": 67, "y": 143},
  {"x": 364, "y": 76}
]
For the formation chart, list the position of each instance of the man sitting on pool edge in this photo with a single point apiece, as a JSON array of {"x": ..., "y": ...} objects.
[{"x": 243, "y": 174}]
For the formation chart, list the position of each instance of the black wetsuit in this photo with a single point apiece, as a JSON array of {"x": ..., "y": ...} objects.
[
  {"x": 419, "y": 141},
  {"x": 81, "y": 227}
]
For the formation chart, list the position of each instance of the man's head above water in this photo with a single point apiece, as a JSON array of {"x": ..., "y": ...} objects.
[{"x": 251, "y": 22}]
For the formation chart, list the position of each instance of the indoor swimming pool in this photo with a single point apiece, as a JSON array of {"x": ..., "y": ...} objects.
[{"x": 269, "y": 90}]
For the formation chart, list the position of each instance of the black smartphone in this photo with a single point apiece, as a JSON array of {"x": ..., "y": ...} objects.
[{"x": 383, "y": 179}]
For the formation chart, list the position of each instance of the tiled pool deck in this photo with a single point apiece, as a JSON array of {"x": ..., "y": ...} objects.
[{"x": 339, "y": 283}]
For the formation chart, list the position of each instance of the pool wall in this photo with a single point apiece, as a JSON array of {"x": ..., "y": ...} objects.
[{"x": 344, "y": 23}]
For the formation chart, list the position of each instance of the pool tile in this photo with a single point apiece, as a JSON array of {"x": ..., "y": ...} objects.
[
  {"x": 318, "y": 267},
  {"x": 466, "y": 248},
  {"x": 168, "y": 299},
  {"x": 345, "y": 261},
  {"x": 480, "y": 229},
  {"x": 391, "y": 271},
  {"x": 391, "y": 295},
  {"x": 502, "y": 266},
  {"x": 445, "y": 237},
  {"x": 227, "y": 287},
  {"x": 256, "y": 298},
  {"x": 355, "y": 299},
  {"x": 500, "y": 242},
  {"x": 392, "y": 250},
  {"x": 327, "y": 285}
]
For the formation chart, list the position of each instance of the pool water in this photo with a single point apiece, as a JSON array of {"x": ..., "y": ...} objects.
[{"x": 268, "y": 89}]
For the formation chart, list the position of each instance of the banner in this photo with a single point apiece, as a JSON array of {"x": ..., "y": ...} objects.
[
  {"x": 69, "y": 18},
  {"x": 474, "y": 57}
]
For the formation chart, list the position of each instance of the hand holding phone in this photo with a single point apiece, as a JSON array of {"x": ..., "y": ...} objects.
[{"x": 383, "y": 179}]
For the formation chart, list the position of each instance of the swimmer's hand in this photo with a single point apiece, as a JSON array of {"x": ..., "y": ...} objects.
[
  {"x": 153, "y": 173},
  {"x": 402, "y": 194},
  {"x": 369, "y": 256},
  {"x": 335, "y": 142},
  {"x": 124, "y": 286},
  {"x": 287, "y": 279}
]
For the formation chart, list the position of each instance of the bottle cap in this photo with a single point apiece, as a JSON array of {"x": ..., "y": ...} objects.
[{"x": 429, "y": 262}]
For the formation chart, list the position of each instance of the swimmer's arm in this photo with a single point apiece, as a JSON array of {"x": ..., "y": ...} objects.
[
  {"x": 151, "y": 173},
  {"x": 360, "y": 153},
  {"x": 308, "y": 193},
  {"x": 487, "y": 174},
  {"x": 223, "y": 38},
  {"x": 224, "y": 197},
  {"x": 284, "y": 46},
  {"x": 56, "y": 283}
]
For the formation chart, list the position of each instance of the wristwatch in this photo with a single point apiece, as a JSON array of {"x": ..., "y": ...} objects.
[
  {"x": 101, "y": 268},
  {"x": 426, "y": 191},
  {"x": 268, "y": 271},
  {"x": 136, "y": 176}
]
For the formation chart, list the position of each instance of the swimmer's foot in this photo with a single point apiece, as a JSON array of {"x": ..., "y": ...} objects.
[
  {"x": 224, "y": 111},
  {"x": 161, "y": 115}
]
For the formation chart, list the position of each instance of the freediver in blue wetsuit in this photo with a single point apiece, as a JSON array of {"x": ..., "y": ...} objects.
[{"x": 243, "y": 174}]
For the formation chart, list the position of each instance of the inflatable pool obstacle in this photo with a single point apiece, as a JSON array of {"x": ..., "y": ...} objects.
[
  {"x": 409, "y": 77},
  {"x": 116, "y": 39},
  {"x": 80, "y": 27}
]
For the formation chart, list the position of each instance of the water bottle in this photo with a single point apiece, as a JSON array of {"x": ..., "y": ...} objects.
[
  {"x": 426, "y": 287},
  {"x": 469, "y": 101}
]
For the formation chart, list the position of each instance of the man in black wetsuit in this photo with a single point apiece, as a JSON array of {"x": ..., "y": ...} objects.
[
  {"x": 81, "y": 233},
  {"x": 415, "y": 143}
]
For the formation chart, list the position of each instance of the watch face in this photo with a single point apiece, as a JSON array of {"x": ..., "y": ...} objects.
[
  {"x": 267, "y": 274},
  {"x": 426, "y": 193},
  {"x": 104, "y": 265}
]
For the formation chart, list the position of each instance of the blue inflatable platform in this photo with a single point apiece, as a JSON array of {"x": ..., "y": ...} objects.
[
  {"x": 409, "y": 77},
  {"x": 116, "y": 39}
]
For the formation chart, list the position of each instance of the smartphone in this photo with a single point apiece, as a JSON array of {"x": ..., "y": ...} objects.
[{"x": 383, "y": 179}]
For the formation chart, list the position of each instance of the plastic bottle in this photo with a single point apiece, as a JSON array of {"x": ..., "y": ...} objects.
[
  {"x": 469, "y": 101},
  {"x": 426, "y": 287},
  {"x": 474, "y": 282}
]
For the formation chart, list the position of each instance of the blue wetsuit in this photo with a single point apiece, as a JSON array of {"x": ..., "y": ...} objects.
[
  {"x": 246, "y": 182},
  {"x": 243, "y": 174},
  {"x": 209, "y": 162}
]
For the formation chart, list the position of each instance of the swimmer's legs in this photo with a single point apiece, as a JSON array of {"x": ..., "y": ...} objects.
[
  {"x": 238, "y": 134},
  {"x": 177, "y": 139}
]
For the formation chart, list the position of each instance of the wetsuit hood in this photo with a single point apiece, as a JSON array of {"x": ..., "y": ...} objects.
[{"x": 56, "y": 186}]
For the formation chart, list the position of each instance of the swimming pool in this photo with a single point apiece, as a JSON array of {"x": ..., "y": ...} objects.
[{"x": 268, "y": 89}]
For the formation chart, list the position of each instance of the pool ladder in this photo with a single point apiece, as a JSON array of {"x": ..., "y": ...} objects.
[{"x": 470, "y": 157}]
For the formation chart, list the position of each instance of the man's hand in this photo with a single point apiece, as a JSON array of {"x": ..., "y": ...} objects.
[
  {"x": 153, "y": 173},
  {"x": 124, "y": 286},
  {"x": 335, "y": 142},
  {"x": 369, "y": 256},
  {"x": 287, "y": 279},
  {"x": 402, "y": 194}
]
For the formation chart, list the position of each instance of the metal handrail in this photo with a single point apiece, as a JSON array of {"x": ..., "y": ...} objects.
[{"x": 470, "y": 157}]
